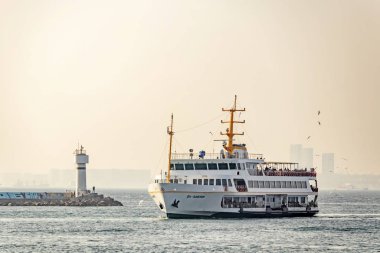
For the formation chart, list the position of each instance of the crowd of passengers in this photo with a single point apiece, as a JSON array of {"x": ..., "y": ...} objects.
[
  {"x": 269, "y": 171},
  {"x": 235, "y": 204}
]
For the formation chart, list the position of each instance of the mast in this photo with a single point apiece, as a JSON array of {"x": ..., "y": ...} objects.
[
  {"x": 230, "y": 131},
  {"x": 170, "y": 133}
]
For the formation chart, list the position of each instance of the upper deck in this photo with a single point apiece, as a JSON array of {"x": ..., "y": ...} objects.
[{"x": 254, "y": 165}]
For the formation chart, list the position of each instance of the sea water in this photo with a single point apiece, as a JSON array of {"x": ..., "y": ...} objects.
[{"x": 349, "y": 221}]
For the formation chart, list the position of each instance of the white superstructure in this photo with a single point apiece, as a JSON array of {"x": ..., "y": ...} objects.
[
  {"x": 81, "y": 159},
  {"x": 233, "y": 183}
]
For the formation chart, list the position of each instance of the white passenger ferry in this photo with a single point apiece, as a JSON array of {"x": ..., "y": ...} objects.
[{"x": 233, "y": 183}]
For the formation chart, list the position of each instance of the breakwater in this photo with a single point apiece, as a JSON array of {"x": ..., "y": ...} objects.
[{"x": 92, "y": 199}]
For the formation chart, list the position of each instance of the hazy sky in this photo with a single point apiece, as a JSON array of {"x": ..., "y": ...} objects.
[{"x": 109, "y": 73}]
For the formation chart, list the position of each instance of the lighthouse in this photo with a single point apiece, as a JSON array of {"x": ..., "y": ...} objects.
[{"x": 81, "y": 159}]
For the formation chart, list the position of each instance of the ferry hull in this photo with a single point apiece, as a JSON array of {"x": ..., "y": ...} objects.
[
  {"x": 230, "y": 215},
  {"x": 179, "y": 201}
]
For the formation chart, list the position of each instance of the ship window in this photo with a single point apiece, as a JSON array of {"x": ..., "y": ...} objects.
[
  {"x": 212, "y": 166},
  {"x": 211, "y": 181},
  {"x": 238, "y": 165},
  {"x": 250, "y": 184},
  {"x": 185, "y": 181},
  {"x": 176, "y": 181},
  {"x": 224, "y": 182},
  {"x": 272, "y": 184},
  {"x": 223, "y": 166},
  {"x": 189, "y": 166},
  {"x": 218, "y": 182},
  {"x": 278, "y": 184},
  {"x": 171, "y": 181},
  {"x": 304, "y": 184},
  {"x": 243, "y": 166},
  {"x": 288, "y": 185},
  {"x": 194, "y": 181},
  {"x": 179, "y": 166},
  {"x": 229, "y": 183},
  {"x": 303, "y": 200},
  {"x": 294, "y": 185},
  {"x": 261, "y": 184},
  {"x": 255, "y": 184},
  {"x": 205, "y": 181},
  {"x": 283, "y": 185},
  {"x": 266, "y": 184},
  {"x": 299, "y": 185},
  {"x": 171, "y": 166},
  {"x": 232, "y": 166},
  {"x": 199, "y": 181},
  {"x": 201, "y": 166}
]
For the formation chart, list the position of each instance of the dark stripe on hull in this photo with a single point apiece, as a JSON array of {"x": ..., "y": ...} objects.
[{"x": 241, "y": 215}]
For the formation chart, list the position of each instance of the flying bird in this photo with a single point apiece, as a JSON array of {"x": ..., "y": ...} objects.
[
  {"x": 308, "y": 137},
  {"x": 319, "y": 123},
  {"x": 319, "y": 112}
]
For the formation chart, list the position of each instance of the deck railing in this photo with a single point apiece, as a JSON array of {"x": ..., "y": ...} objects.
[
  {"x": 292, "y": 173},
  {"x": 179, "y": 156}
]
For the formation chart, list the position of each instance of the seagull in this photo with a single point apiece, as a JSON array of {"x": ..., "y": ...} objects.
[
  {"x": 140, "y": 203},
  {"x": 319, "y": 112},
  {"x": 210, "y": 133},
  {"x": 319, "y": 123},
  {"x": 308, "y": 137}
]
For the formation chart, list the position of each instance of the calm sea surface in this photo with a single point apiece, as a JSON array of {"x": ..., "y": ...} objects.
[{"x": 349, "y": 221}]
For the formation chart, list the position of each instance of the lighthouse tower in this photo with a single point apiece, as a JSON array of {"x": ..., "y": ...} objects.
[{"x": 81, "y": 159}]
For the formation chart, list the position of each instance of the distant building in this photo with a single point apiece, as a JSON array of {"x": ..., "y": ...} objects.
[
  {"x": 307, "y": 158},
  {"x": 302, "y": 156},
  {"x": 328, "y": 163},
  {"x": 295, "y": 153}
]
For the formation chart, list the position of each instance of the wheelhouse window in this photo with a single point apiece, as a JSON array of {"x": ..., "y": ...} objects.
[
  {"x": 179, "y": 166},
  {"x": 199, "y": 181},
  {"x": 211, "y": 181},
  {"x": 200, "y": 166},
  {"x": 218, "y": 182},
  {"x": 232, "y": 166},
  {"x": 205, "y": 181},
  {"x": 212, "y": 166},
  {"x": 189, "y": 166},
  {"x": 223, "y": 166},
  {"x": 238, "y": 166}
]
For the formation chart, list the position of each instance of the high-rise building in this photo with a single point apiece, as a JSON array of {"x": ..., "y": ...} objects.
[
  {"x": 328, "y": 163},
  {"x": 302, "y": 156},
  {"x": 295, "y": 153},
  {"x": 307, "y": 158}
]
